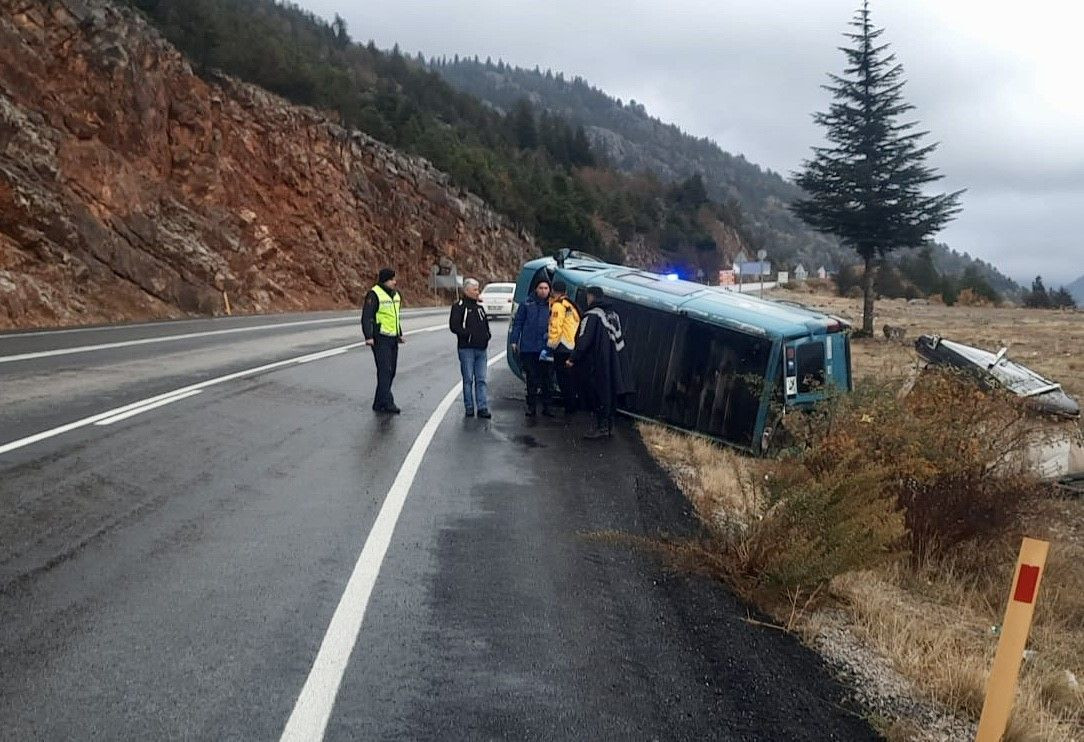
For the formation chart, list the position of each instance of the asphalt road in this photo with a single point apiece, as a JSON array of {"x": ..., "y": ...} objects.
[{"x": 180, "y": 572}]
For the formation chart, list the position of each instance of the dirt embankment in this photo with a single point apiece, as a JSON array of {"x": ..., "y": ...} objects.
[{"x": 132, "y": 188}]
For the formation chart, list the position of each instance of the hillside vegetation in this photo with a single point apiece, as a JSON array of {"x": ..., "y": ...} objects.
[{"x": 526, "y": 162}]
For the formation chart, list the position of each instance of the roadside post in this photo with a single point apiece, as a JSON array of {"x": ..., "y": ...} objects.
[
  {"x": 761, "y": 255},
  {"x": 1001, "y": 685}
]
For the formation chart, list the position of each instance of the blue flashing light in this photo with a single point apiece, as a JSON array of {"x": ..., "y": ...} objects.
[{"x": 672, "y": 276}]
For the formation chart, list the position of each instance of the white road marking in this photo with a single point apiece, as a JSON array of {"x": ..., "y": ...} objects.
[
  {"x": 309, "y": 719},
  {"x": 147, "y": 407},
  {"x": 407, "y": 313},
  {"x": 46, "y": 434},
  {"x": 168, "y": 338},
  {"x": 325, "y": 354}
]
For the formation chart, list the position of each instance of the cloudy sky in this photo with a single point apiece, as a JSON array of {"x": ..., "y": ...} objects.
[{"x": 997, "y": 83}]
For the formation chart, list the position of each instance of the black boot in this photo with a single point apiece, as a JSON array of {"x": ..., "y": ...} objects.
[{"x": 602, "y": 429}]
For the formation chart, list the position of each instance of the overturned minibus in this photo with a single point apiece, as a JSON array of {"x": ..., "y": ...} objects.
[{"x": 704, "y": 359}]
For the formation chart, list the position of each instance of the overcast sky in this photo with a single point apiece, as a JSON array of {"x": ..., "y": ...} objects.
[{"x": 997, "y": 83}]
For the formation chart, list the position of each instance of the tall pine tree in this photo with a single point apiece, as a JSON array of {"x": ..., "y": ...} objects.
[
  {"x": 865, "y": 187},
  {"x": 1037, "y": 298}
]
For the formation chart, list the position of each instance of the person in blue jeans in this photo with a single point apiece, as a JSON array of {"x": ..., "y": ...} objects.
[{"x": 470, "y": 325}]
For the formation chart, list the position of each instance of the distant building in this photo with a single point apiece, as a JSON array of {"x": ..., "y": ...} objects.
[
  {"x": 740, "y": 258},
  {"x": 800, "y": 273},
  {"x": 822, "y": 273}
]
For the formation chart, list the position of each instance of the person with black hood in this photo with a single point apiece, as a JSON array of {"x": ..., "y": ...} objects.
[
  {"x": 598, "y": 354},
  {"x": 470, "y": 325},
  {"x": 383, "y": 333}
]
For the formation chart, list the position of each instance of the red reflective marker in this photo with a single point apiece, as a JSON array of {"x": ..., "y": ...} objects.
[{"x": 1026, "y": 583}]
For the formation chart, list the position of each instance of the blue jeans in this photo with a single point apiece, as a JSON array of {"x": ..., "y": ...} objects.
[{"x": 472, "y": 365}]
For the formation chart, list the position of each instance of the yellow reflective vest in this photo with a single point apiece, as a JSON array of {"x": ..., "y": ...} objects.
[
  {"x": 387, "y": 314},
  {"x": 564, "y": 321}
]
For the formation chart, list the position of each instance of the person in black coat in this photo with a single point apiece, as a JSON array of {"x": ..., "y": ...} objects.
[
  {"x": 599, "y": 356},
  {"x": 384, "y": 334},
  {"x": 470, "y": 325}
]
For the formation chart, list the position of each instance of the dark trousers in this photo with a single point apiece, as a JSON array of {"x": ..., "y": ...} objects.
[
  {"x": 605, "y": 404},
  {"x": 386, "y": 355},
  {"x": 539, "y": 377},
  {"x": 566, "y": 379},
  {"x": 597, "y": 398}
]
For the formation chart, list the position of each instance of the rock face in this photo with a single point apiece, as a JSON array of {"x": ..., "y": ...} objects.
[{"x": 132, "y": 188}]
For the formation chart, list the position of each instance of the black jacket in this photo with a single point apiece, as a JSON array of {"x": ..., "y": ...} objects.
[
  {"x": 368, "y": 312},
  {"x": 470, "y": 324},
  {"x": 599, "y": 351}
]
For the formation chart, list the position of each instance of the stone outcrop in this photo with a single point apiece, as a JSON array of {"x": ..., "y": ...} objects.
[{"x": 132, "y": 188}]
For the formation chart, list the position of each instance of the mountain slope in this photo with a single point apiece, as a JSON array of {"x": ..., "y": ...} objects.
[
  {"x": 1076, "y": 288},
  {"x": 635, "y": 141},
  {"x": 132, "y": 188},
  {"x": 530, "y": 165}
]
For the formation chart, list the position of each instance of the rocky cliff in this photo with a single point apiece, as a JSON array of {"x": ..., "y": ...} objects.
[{"x": 132, "y": 188}]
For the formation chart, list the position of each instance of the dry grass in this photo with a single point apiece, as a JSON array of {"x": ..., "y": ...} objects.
[
  {"x": 717, "y": 481},
  {"x": 933, "y": 618}
]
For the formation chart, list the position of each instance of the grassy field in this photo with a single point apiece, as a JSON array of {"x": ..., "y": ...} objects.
[
  {"x": 932, "y": 618},
  {"x": 1051, "y": 342}
]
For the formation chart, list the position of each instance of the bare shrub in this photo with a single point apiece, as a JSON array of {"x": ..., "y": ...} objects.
[
  {"x": 818, "y": 526},
  {"x": 778, "y": 534},
  {"x": 950, "y": 452}
]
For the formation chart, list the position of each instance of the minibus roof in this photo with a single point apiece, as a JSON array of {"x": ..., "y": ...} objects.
[{"x": 710, "y": 304}]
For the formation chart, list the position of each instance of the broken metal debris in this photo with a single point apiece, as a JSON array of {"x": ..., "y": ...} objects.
[{"x": 995, "y": 369}]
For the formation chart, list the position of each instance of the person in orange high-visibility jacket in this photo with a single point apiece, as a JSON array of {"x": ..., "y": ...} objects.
[{"x": 561, "y": 339}]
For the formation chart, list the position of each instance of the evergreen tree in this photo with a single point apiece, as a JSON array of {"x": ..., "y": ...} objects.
[
  {"x": 581, "y": 149},
  {"x": 922, "y": 271},
  {"x": 1037, "y": 298},
  {"x": 523, "y": 125},
  {"x": 866, "y": 186},
  {"x": 338, "y": 26},
  {"x": 1062, "y": 299}
]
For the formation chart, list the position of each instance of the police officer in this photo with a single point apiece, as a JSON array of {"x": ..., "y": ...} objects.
[{"x": 383, "y": 333}]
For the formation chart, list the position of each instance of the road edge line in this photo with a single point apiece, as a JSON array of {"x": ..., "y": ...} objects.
[{"x": 315, "y": 702}]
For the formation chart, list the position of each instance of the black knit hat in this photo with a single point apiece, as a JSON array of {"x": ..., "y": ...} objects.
[
  {"x": 560, "y": 287},
  {"x": 385, "y": 275},
  {"x": 595, "y": 291}
]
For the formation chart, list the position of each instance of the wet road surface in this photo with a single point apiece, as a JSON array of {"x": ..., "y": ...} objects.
[{"x": 175, "y": 573}]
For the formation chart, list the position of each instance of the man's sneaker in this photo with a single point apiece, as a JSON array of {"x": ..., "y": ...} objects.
[
  {"x": 391, "y": 409},
  {"x": 470, "y": 413},
  {"x": 484, "y": 414}
]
